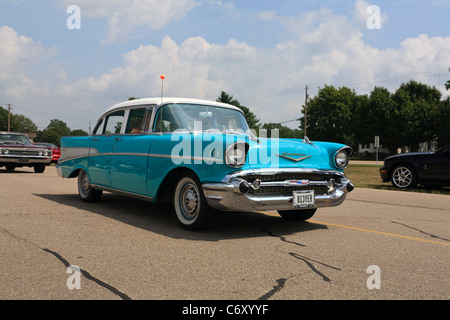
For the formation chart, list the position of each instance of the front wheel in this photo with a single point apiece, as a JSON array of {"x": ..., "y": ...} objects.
[
  {"x": 39, "y": 168},
  {"x": 190, "y": 204},
  {"x": 297, "y": 215},
  {"x": 85, "y": 190},
  {"x": 404, "y": 176}
]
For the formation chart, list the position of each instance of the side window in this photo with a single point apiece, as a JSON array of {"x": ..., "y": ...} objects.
[
  {"x": 136, "y": 121},
  {"x": 114, "y": 123},
  {"x": 99, "y": 128},
  {"x": 165, "y": 121}
]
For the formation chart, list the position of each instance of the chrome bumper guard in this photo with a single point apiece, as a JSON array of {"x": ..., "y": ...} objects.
[
  {"x": 232, "y": 194},
  {"x": 59, "y": 170}
]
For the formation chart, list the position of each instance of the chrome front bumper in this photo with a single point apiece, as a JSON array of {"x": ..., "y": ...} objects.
[
  {"x": 232, "y": 194},
  {"x": 24, "y": 160}
]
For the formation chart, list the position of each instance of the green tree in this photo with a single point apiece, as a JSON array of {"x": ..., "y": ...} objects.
[
  {"x": 252, "y": 120},
  {"x": 283, "y": 131},
  {"x": 443, "y": 125},
  {"x": 78, "y": 132},
  {"x": 53, "y": 133},
  {"x": 418, "y": 105},
  {"x": 3, "y": 119},
  {"x": 447, "y": 85},
  {"x": 378, "y": 115},
  {"x": 20, "y": 123},
  {"x": 329, "y": 115}
]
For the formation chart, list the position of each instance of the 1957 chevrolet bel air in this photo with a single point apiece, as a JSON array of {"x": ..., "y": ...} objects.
[{"x": 200, "y": 155}]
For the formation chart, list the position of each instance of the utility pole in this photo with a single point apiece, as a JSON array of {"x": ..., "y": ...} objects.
[
  {"x": 306, "y": 108},
  {"x": 9, "y": 117}
]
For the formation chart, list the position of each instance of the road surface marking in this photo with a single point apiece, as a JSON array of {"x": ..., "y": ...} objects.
[{"x": 368, "y": 230}]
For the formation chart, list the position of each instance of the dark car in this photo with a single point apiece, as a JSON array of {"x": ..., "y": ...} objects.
[
  {"x": 407, "y": 170},
  {"x": 16, "y": 150},
  {"x": 56, "y": 151}
]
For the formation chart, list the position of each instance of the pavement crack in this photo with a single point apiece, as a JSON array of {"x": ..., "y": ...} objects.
[
  {"x": 280, "y": 285},
  {"x": 67, "y": 264},
  {"x": 89, "y": 276},
  {"x": 312, "y": 267},
  {"x": 397, "y": 205},
  {"x": 308, "y": 261},
  {"x": 423, "y": 232},
  {"x": 282, "y": 238}
]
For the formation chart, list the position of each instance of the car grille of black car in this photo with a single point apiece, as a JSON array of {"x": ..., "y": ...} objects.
[{"x": 287, "y": 190}]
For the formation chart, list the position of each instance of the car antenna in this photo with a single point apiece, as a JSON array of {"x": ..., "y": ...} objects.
[{"x": 162, "y": 86}]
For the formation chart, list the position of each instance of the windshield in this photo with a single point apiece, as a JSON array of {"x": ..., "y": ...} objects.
[
  {"x": 201, "y": 118},
  {"x": 14, "y": 138}
]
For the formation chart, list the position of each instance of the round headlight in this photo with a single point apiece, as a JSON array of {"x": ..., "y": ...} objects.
[
  {"x": 6, "y": 151},
  {"x": 235, "y": 154},
  {"x": 39, "y": 153},
  {"x": 341, "y": 159}
]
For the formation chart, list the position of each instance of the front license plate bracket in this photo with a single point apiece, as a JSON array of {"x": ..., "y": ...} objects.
[{"x": 303, "y": 199}]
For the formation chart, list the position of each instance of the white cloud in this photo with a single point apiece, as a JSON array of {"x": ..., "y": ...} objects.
[
  {"x": 261, "y": 78},
  {"x": 323, "y": 47},
  {"x": 123, "y": 16},
  {"x": 17, "y": 54}
]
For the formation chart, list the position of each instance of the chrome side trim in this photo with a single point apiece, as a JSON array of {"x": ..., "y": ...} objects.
[
  {"x": 125, "y": 193},
  {"x": 151, "y": 155}
]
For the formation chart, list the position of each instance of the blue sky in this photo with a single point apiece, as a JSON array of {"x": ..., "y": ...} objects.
[{"x": 262, "y": 52}]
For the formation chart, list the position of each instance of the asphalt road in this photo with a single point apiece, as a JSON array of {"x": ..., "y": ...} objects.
[{"x": 377, "y": 245}]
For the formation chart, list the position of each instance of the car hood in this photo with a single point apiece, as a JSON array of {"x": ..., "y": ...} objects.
[
  {"x": 410, "y": 154},
  {"x": 292, "y": 153}
]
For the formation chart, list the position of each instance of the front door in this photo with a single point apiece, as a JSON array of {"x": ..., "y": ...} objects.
[{"x": 129, "y": 156}]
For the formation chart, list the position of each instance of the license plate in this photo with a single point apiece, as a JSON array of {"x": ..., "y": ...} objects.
[
  {"x": 23, "y": 160},
  {"x": 303, "y": 198}
]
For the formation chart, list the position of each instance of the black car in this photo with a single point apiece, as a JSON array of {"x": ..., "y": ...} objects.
[{"x": 407, "y": 170}]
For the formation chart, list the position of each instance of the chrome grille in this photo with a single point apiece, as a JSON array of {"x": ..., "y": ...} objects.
[
  {"x": 287, "y": 190},
  {"x": 22, "y": 153}
]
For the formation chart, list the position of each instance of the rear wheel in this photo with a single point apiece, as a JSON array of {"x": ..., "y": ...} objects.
[
  {"x": 85, "y": 190},
  {"x": 297, "y": 215},
  {"x": 189, "y": 203}
]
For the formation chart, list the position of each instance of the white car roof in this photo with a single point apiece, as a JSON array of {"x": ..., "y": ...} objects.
[{"x": 167, "y": 100}]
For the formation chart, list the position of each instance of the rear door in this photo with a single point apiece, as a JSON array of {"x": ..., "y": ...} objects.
[{"x": 102, "y": 145}]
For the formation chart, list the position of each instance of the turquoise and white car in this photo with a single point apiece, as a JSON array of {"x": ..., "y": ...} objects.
[{"x": 200, "y": 155}]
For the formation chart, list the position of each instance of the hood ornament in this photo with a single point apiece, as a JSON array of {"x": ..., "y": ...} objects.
[{"x": 288, "y": 156}]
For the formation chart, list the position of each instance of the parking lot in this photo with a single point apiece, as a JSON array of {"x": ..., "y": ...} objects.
[{"x": 378, "y": 245}]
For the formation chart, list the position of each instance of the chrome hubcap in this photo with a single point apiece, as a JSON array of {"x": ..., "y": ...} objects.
[
  {"x": 84, "y": 183},
  {"x": 189, "y": 201},
  {"x": 402, "y": 177}
]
